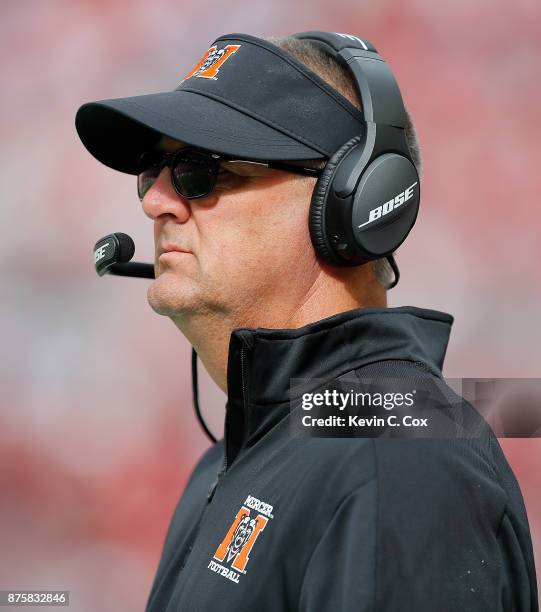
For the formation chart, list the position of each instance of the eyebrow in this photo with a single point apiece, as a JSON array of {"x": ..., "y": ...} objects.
[{"x": 166, "y": 142}]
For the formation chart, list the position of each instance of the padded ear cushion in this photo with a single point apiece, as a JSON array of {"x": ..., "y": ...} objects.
[{"x": 316, "y": 219}]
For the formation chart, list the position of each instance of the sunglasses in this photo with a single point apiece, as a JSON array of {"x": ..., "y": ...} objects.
[{"x": 194, "y": 173}]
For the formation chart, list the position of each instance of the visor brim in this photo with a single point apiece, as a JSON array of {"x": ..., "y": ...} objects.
[{"x": 118, "y": 131}]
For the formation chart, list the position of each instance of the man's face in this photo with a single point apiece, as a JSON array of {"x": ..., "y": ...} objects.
[{"x": 236, "y": 252}]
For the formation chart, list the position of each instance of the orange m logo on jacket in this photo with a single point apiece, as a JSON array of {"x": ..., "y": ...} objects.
[{"x": 240, "y": 539}]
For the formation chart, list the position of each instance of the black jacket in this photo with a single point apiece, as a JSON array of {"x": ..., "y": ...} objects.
[{"x": 270, "y": 522}]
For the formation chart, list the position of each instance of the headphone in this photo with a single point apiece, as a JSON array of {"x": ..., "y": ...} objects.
[{"x": 367, "y": 197}]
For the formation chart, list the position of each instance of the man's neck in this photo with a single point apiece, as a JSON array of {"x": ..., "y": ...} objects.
[{"x": 210, "y": 334}]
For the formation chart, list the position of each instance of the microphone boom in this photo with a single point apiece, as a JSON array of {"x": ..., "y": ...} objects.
[{"x": 133, "y": 268}]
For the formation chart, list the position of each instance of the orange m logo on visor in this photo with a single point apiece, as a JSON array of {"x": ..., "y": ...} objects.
[{"x": 209, "y": 65}]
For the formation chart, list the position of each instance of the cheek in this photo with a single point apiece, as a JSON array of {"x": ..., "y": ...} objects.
[
  {"x": 257, "y": 232},
  {"x": 282, "y": 227}
]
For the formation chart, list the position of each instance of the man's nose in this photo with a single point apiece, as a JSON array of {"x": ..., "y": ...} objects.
[{"x": 162, "y": 199}]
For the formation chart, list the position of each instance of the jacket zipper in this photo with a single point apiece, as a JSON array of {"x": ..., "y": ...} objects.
[
  {"x": 212, "y": 490},
  {"x": 186, "y": 557},
  {"x": 243, "y": 380},
  {"x": 243, "y": 377},
  {"x": 209, "y": 498}
]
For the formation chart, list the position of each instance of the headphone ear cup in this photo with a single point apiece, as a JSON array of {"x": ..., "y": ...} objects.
[
  {"x": 316, "y": 218},
  {"x": 385, "y": 205}
]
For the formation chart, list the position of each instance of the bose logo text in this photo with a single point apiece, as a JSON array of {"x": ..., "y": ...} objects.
[
  {"x": 384, "y": 209},
  {"x": 100, "y": 253}
]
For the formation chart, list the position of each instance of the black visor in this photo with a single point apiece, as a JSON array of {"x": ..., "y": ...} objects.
[{"x": 245, "y": 98}]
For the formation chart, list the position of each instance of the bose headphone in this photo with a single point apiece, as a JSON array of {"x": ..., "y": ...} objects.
[{"x": 367, "y": 197}]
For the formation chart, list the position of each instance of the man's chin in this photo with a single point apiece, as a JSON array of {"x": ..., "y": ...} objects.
[{"x": 170, "y": 296}]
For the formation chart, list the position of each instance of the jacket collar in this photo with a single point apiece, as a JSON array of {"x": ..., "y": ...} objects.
[{"x": 262, "y": 362}]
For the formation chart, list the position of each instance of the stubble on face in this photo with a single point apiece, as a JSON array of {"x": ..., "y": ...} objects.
[{"x": 251, "y": 253}]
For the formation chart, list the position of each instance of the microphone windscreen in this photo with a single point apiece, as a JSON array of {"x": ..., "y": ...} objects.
[
  {"x": 112, "y": 249},
  {"x": 126, "y": 248}
]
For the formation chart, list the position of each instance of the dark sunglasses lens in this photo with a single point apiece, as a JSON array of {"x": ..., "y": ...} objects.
[
  {"x": 146, "y": 179},
  {"x": 194, "y": 178}
]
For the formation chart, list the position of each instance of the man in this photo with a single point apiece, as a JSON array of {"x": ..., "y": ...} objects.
[{"x": 270, "y": 520}]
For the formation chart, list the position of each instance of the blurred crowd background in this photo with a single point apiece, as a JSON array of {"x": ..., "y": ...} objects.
[{"x": 97, "y": 432}]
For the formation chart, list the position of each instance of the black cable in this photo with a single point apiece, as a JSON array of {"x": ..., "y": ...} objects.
[{"x": 195, "y": 391}]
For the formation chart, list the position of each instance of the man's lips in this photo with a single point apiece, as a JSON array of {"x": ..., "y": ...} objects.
[{"x": 171, "y": 248}]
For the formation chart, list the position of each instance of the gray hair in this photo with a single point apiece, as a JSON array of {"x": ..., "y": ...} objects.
[{"x": 339, "y": 77}]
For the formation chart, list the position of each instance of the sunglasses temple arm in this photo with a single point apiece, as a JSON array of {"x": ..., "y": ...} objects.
[{"x": 294, "y": 169}]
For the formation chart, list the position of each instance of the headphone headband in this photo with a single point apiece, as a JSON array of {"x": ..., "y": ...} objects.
[
  {"x": 380, "y": 96},
  {"x": 334, "y": 42}
]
